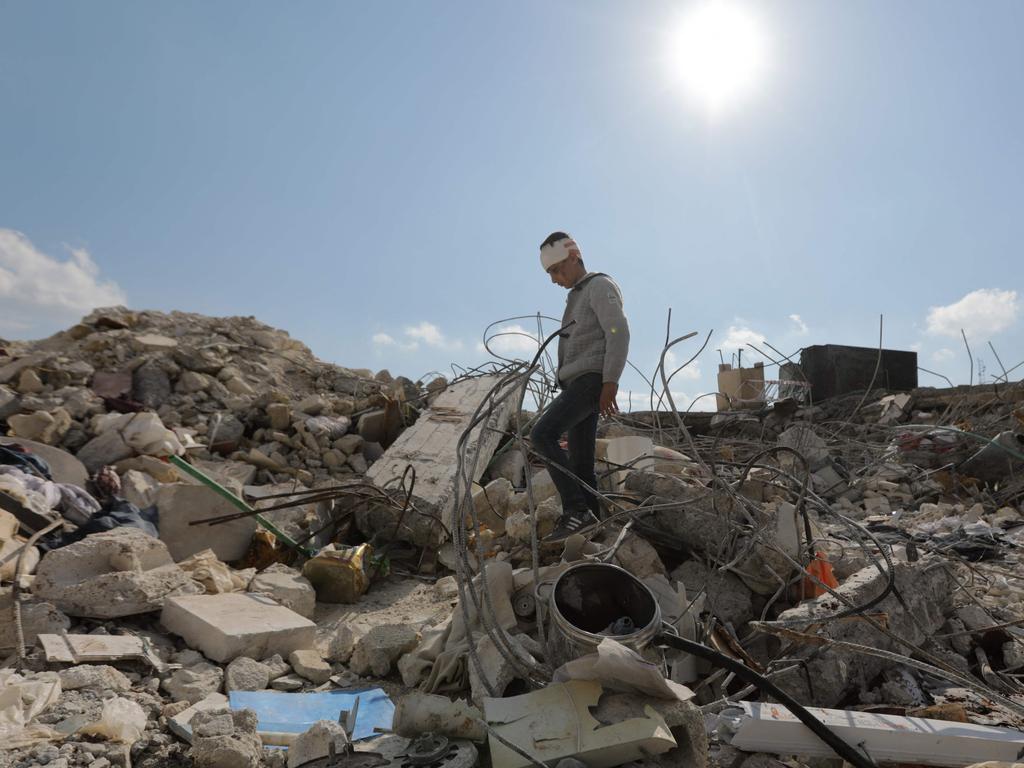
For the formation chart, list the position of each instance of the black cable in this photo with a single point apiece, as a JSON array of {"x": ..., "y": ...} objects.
[{"x": 848, "y": 752}]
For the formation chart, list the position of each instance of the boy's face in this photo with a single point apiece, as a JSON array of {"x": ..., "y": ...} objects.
[{"x": 568, "y": 271}]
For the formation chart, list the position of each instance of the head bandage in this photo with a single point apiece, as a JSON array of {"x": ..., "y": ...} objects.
[{"x": 556, "y": 252}]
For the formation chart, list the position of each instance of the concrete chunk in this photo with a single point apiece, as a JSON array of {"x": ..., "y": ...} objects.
[
  {"x": 230, "y": 625},
  {"x": 107, "y": 575}
]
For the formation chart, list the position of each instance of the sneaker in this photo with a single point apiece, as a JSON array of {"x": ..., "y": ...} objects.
[{"x": 577, "y": 521}]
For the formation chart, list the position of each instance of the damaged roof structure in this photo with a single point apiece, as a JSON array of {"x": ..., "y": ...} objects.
[{"x": 217, "y": 550}]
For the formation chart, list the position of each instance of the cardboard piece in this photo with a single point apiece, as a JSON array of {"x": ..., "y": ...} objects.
[{"x": 555, "y": 722}]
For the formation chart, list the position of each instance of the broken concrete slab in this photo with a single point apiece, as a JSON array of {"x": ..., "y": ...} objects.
[
  {"x": 927, "y": 587},
  {"x": 230, "y": 625},
  {"x": 430, "y": 447},
  {"x": 99, "y": 677},
  {"x": 107, "y": 575},
  {"x": 183, "y": 503}
]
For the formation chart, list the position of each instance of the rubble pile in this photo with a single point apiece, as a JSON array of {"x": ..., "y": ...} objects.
[{"x": 217, "y": 550}]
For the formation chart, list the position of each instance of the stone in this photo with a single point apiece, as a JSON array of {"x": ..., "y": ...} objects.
[
  {"x": 151, "y": 385},
  {"x": 226, "y": 434},
  {"x": 46, "y": 427},
  {"x": 313, "y": 405},
  {"x": 106, "y": 448},
  {"x": 380, "y": 648},
  {"x": 139, "y": 488},
  {"x": 491, "y": 503},
  {"x": 288, "y": 683},
  {"x": 226, "y": 739},
  {"x": 37, "y": 618},
  {"x": 238, "y": 386},
  {"x": 280, "y": 416},
  {"x": 226, "y": 626},
  {"x": 637, "y": 556},
  {"x": 153, "y": 341},
  {"x": 338, "y": 643},
  {"x": 245, "y": 674},
  {"x": 194, "y": 683},
  {"x": 10, "y": 403},
  {"x": 191, "y": 382},
  {"x": 287, "y": 587},
  {"x": 182, "y": 503},
  {"x": 276, "y": 666},
  {"x": 107, "y": 575},
  {"x": 727, "y": 597},
  {"x": 308, "y": 664},
  {"x": 349, "y": 444},
  {"x": 29, "y": 382},
  {"x": 96, "y": 676},
  {"x": 807, "y": 442},
  {"x": 152, "y": 466},
  {"x": 317, "y": 742},
  {"x": 358, "y": 463}
]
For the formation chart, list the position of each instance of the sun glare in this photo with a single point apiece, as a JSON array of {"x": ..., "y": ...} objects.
[{"x": 717, "y": 52}]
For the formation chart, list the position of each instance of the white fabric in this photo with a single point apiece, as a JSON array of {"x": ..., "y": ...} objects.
[{"x": 556, "y": 252}]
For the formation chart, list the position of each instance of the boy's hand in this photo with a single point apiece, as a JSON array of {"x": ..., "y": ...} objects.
[{"x": 608, "y": 406}]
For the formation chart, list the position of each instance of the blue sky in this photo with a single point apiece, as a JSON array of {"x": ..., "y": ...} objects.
[{"x": 375, "y": 177}]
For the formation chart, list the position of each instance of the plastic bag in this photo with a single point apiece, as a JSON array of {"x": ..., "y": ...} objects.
[{"x": 121, "y": 720}]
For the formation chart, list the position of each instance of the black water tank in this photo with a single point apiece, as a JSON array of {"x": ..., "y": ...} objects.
[{"x": 833, "y": 369}]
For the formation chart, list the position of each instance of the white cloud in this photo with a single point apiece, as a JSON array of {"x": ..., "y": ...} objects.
[
  {"x": 692, "y": 372},
  {"x": 430, "y": 335},
  {"x": 512, "y": 341},
  {"x": 801, "y": 326},
  {"x": 943, "y": 355},
  {"x": 43, "y": 292},
  {"x": 426, "y": 332},
  {"x": 383, "y": 340},
  {"x": 980, "y": 313},
  {"x": 737, "y": 337}
]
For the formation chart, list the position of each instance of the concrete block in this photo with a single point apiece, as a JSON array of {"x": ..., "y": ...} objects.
[
  {"x": 287, "y": 587},
  {"x": 230, "y": 625},
  {"x": 37, "y": 618},
  {"x": 310, "y": 665},
  {"x": 112, "y": 574},
  {"x": 182, "y": 503}
]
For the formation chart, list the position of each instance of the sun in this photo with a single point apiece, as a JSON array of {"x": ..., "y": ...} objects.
[{"x": 717, "y": 52}]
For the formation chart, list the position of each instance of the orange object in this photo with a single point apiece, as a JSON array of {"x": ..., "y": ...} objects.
[{"x": 821, "y": 569}]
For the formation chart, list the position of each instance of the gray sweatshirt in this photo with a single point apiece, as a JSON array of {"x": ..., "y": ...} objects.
[{"x": 599, "y": 341}]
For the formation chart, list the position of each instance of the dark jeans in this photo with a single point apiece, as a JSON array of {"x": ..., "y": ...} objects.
[{"x": 574, "y": 411}]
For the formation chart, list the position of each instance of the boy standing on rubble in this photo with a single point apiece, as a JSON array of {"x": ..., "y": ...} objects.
[{"x": 591, "y": 357}]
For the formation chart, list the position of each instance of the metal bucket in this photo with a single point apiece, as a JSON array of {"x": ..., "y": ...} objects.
[{"x": 587, "y": 598}]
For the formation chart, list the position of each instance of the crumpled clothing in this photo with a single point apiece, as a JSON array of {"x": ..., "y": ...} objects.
[
  {"x": 116, "y": 513},
  {"x": 73, "y": 502},
  {"x": 15, "y": 455}
]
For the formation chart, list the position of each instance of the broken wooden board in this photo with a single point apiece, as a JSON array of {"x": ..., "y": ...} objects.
[
  {"x": 556, "y": 722},
  {"x": 97, "y": 649},
  {"x": 430, "y": 446}
]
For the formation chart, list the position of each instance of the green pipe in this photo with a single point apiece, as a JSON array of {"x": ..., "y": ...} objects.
[{"x": 209, "y": 482}]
